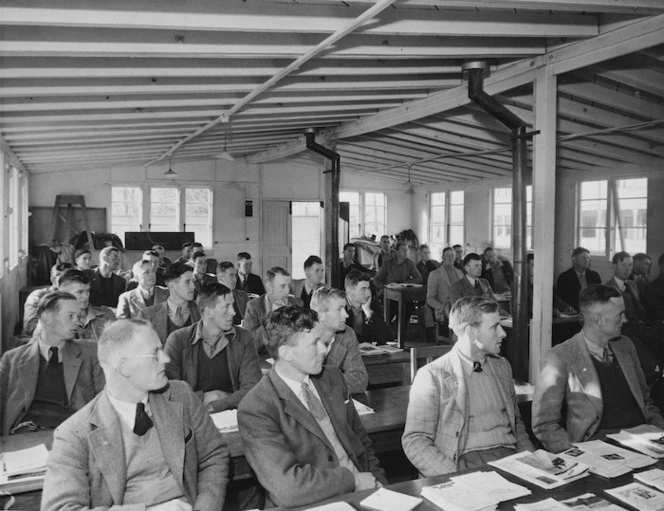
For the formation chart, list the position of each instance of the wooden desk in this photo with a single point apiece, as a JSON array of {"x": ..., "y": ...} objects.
[
  {"x": 402, "y": 295},
  {"x": 393, "y": 368}
]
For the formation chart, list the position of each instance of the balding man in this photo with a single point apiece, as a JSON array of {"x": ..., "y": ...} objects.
[
  {"x": 105, "y": 286},
  {"x": 143, "y": 443}
]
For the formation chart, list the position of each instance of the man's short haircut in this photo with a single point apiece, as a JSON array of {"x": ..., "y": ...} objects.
[
  {"x": 321, "y": 297},
  {"x": 274, "y": 271},
  {"x": 137, "y": 270},
  {"x": 423, "y": 246},
  {"x": 468, "y": 312},
  {"x": 176, "y": 270},
  {"x": 243, "y": 255},
  {"x": 349, "y": 245},
  {"x": 641, "y": 257},
  {"x": 618, "y": 257},
  {"x": 116, "y": 335},
  {"x": 311, "y": 260},
  {"x": 197, "y": 244},
  {"x": 187, "y": 244},
  {"x": 456, "y": 246},
  {"x": 282, "y": 325},
  {"x": 73, "y": 276},
  {"x": 59, "y": 268},
  {"x": 487, "y": 249},
  {"x": 578, "y": 251},
  {"x": 80, "y": 252},
  {"x": 471, "y": 257},
  {"x": 209, "y": 294},
  {"x": 224, "y": 266},
  {"x": 448, "y": 249},
  {"x": 157, "y": 247},
  {"x": 596, "y": 294},
  {"x": 354, "y": 277},
  {"x": 50, "y": 302},
  {"x": 197, "y": 254},
  {"x": 151, "y": 252},
  {"x": 103, "y": 255},
  {"x": 384, "y": 237},
  {"x": 400, "y": 244}
]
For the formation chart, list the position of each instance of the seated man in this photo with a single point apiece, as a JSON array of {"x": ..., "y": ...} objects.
[
  {"x": 641, "y": 272},
  {"x": 164, "y": 262},
  {"x": 471, "y": 284},
  {"x": 497, "y": 272},
  {"x": 343, "y": 350},
  {"x": 347, "y": 263},
  {"x": 198, "y": 262},
  {"x": 654, "y": 296},
  {"x": 105, "y": 286},
  {"x": 577, "y": 278},
  {"x": 314, "y": 272},
  {"x": 179, "y": 310},
  {"x": 458, "y": 257},
  {"x": 227, "y": 275},
  {"x": 142, "y": 443},
  {"x": 300, "y": 430},
  {"x": 44, "y": 382},
  {"x": 462, "y": 411},
  {"x": 151, "y": 256},
  {"x": 31, "y": 305},
  {"x": 426, "y": 265},
  {"x": 439, "y": 286},
  {"x": 146, "y": 294},
  {"x": 218, "y": 360},
  {"x": 247, "y": 281},
  {"x": 398, "y": 269},
  {"x": 83, "y": 259},
  {"x": 91, "y": 320},
  {"x": 277, "y": 281},
  {"x": 365, "y": 313},
  {"x": 185, "y": 255},
  {"x": 382, "y": 254},
  {"x": 592, "y": 384}
]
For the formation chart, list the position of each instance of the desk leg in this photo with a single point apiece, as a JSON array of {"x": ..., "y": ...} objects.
[
  {"x": 386, "y": 312},
  {"x": 401, "y": 318}
]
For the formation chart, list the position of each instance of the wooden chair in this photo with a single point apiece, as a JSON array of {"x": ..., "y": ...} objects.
[{"x": 426, "y": 353}]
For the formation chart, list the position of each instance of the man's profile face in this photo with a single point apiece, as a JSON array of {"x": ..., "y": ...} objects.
[
  {"x": 474, "y": 268},
  {"x": 307, "y": 354},
  {"x": 228, "y": 277},
  {"x": 623, "y": 269},
  {"x": 334, "y": 317},
  {"x": 84, "y": 262},
  {"x": 359, "y": 294},
  {"x": 425, "y": 254},
  {"x": 279, "y": 288},
  {"x": 244, "y": 266},
  {"x": 385, "y": 244},
  {"x": 113, "y": 260},
  {"x": 458, "y": 251},
  {"x": 62, "y": 324},
  {"x": 222, "y": 312},
  {"x": 488, "y": 335},
  {"x": 186, "y": 252},
  {"x": 643, "y": 266},
  {"x": 183, "y": 287},
  {"x": 315, "y": 273},
  {"x": 349, "y": 253},
  {"x": 145, "y": 361},
  {"x": 612, "y": 317},
  {"x": 490, "y": 256},
  {"x": 200, "y": 265},
  {"x": 80, "y": 291},
  {"x": 448, "y": 257},
  {"x": 148, "y": 278},
  {"x": 582, "y": 260}
]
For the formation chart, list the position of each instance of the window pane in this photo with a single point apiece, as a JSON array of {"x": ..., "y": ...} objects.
[
  {"x": 593, "y": 190},
  {"x": 165, "y": 209},
  {"x": 593, "y": 239},
  {"x": 126, "y": 210},
  {"x": 502, "y": 217},
  {"x": 353, "y": 198},
  {"x": 198, "y": 214},
  {"x": 633, "y": 212},
  {"x": 437, "y": 224},
  {"x": 456, "y": 214},
  {"x": 374, "y": 214},
  {"x": 438, "y": 199}
]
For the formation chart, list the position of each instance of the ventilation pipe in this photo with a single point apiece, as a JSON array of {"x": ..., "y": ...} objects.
[
  {"x": 517, "y": 346},
  {"x": 331, "y": 209}
]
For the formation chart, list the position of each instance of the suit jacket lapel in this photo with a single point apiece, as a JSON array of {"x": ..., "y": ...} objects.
[
  {"x": 71, "y": 366},
  {"x": 107, "y": 447},
  {"x": 456, "y": 382},
  {"x": 625, "y": 362},
  {"x": 169, "y": 424},
  {"x": 28, "y": 370},
  {"x": 339, "y": 422},
  {"x": 584, "y": 369}
]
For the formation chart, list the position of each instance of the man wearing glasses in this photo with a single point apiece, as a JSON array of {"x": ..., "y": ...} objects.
[{"x": 143, "y": 442}]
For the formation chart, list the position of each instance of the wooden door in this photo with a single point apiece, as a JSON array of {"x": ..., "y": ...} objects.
[{"x": 276, "y": 235}]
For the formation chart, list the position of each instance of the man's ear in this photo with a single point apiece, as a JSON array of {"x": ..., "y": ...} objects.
[{"x": 284, "y": 352}]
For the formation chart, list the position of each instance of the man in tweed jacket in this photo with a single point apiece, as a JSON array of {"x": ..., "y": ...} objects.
[{"x": 462, "y": 411}]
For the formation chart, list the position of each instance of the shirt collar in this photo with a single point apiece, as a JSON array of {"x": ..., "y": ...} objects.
[
  {"x": 621, "y": 283},
  {"x": 594, "y": 349},
  {"x": 44, "y": 348},
  {"x": 172, "y": 306},
  {"x": 467, "y": 363},
  {"x": 472, "y": 280},
  {"x": 126, "y": 410},
  {"x": 294, "y": 385},
  {"x": 198, "y": 333}
]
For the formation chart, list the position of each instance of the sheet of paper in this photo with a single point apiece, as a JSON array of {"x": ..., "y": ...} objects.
[
  {"x": 512, "y": 465},
  {"x": 452, "y": 496},
  {"x": 31, "y": 459},
  {"x": 225, "y": 421},
  {"x": 542, "y": 505},
  {"x": 363, "y": 409},
  {"x": 492, "y": 484},
  {"x": 639, "y": 496},
  {"x": 608, "y": 460},
  {"x": 591, "y": 502},
  {"x": 335, "y": 506},
  {"x": 388, "y": 500},
  {"x": 653, "y": 477}
]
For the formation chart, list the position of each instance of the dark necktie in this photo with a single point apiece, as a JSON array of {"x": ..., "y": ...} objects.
[
  {"x": 477, "y": 367},
  {"x": 143, "y": 422},
  {"x": 477, "y": 284},
  {"x": 53, "y": 358},
  {"x": 315, "y": 406}
]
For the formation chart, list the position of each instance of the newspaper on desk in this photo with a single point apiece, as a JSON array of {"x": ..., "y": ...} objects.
[
  {"x": 543, "y": 505},
  {"x": 645, "y": 438},
  {"x": 492, "y": 484},
  {"x": 368, "y": 349},
  {"x": 639, "y": 496},
  {"x": 453, "y": 496},
  {"x": 543, "y": 468},
  {"x": 607, "y": 460},
  {"x": 591, "y": 502},
  {"x": 23, "y": 467},
  {"x": 653, "y": 477}
]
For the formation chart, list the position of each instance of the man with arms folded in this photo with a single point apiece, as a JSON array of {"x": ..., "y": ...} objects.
[
  {"x": 217, "y": 359},
  {"x": 343, "y": 350},
  {"x": 595, "y": 377},
  {"x": 44, "y": 382},
  {"x": 142, "y": 444},
  {"x": 578, "y": 277},
  {"x": 246, "y": 281},
  {"x": 300, "y": 430},
  {"x": 227, "y": 275},
  {"x": 315, "y": 277},
  {"x": 145, "y": 295},
  {"x": 179, "y": 310},
  {"x": 462, "y": 411},
  {"x": 105, "y": 286},
  {"x": 365, "y": 313}
]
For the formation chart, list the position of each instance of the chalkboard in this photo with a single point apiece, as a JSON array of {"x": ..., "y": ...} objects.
[{"x": 145, "y": 240}]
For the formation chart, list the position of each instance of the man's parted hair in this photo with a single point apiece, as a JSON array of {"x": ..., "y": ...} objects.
[
  {"x": 73, "y": 276},
  {"x": 471, "y": 257},
  {"x": 243, "y": 255},
  {"x": 80, "y": 252},
  {"x": 487, "y": 249},
  {"x": 423, "y": 246},
  {"x": 468, "y": 312},
  {"x": 354, "y": 277},
  {"x": 311, "y": 260},
  {"x": 456, "y": 246},
  {"x": 400, "y": 244},
  {"x": 187, "y": 244},
  {"x": 176, "y": 270},
  {"x": 105, "y": 252},
  {"x": 578, "y": 251},
  {"x": 209, "y": 294},
  {"x": 116, "y": 335},
  {"x": 224, "y": 266},
  {"x": 595, "y": 294},
  {"x": 618, "y": 257},
  {"x": 150, "y": 252},
  {"x": 197, "y": 254},
  {"x": 322, "y": 296},
  {"x": 274, "y": 271},
  {"x": 349, "y": 245},
  {"x": 50, "y": 302},
  {"x": 282, "y": 325}
]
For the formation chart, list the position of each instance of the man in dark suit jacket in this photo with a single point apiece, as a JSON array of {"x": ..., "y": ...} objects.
[
  {"x": 199, "y": 263},
  {"x": 315, "y": 278},
  {"x": 247, "y": 281},
  {"x": 143, "y": 442},
  {"x": 227, "y": 275},
  {"x": 218, "y": 360},
  {"x": 300, "y": 430},
  {"x": 44, "y": 382},
  {"x": 578, "y": 277},
  {"x": 105, "y": 286},
  {"x": 365, "y": 313}
]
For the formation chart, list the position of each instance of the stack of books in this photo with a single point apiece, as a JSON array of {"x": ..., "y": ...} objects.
[{"x": 543, "y": 468}]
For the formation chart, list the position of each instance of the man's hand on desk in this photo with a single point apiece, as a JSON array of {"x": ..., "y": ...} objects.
[
  {"x": 171, "y": 505},
  {"x": 365, "y": 481},
  {"x": 214, "y": 395}
]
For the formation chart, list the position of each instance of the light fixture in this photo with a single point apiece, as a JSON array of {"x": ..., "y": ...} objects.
[
  {"x": 225, "y": 155},
  {"x": 411, "y": 186},
  {"x": 170, "y": 171}
]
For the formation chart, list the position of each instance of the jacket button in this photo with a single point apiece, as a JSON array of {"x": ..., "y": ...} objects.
[
  {"x": 457, "y": 434},
  {"x": 330, "y": 458},
  {"x": 454, "y": 457}
]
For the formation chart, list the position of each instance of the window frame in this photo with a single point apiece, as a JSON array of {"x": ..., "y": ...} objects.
[
  {"x": 529, "y": 215},
  {"x": 447, "y": 224},
  {"x": 362, "y": 210}
]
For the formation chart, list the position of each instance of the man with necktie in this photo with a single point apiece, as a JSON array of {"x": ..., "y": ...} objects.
[
  {"x": 300, "y": 430},
  {"x": 595, "y": 377},
  {"x": 142, "y": 443},
  {"x": 578, "y": 277},
  {"x": 44, "y": 382},
  {"x": 471, "y": 284},
  {"x": 462, "y": 411}
]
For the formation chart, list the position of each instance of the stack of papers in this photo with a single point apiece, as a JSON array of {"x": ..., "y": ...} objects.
[
  {"x": 363, "y": 409},
  {"x": 542, "y": 505},
  {"x": 226, "y": 421},
  {"x": 639, "y": 496},
  {"x": 367, "y": 349},
  {"x": 608, "y": 460},
  {"x": 388, "y": 500},
  {"x": 543, "y": 468},
  {"x": 591, "y": 502},
  {"x": 645, "y": 438},
  {"x": 653, "y": 477},
  {"x": 335, "y": 506},
  {"x": 492, "y": 484},
  {"x": 23, "y": 470},
  {"x": 452, "y": 496}
]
